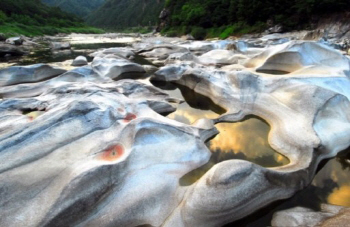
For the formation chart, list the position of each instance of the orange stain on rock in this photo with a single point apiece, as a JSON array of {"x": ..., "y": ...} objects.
[
  {"x": 129, "y": 117},
  {"x": 113, "y": 153}
]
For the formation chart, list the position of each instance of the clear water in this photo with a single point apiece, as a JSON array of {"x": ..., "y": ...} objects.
[
  {"x": 246, "y": 140},
  {"x": 331, "y": 185}
]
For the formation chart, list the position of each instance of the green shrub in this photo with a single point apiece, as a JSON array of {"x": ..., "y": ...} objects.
[
  {"x": 214, "y": 32},
  {"x": 171, "y": 33},
  {"x": 227, "y": 32},
  {"x": 198, "y": 33}
]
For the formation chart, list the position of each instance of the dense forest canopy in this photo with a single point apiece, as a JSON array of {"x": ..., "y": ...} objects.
[
  {"x": 211, "y": 13},
  {"x": 240, "y": 14},
  {"x": 31, "y": 17},
  {"x": 116, "y": 14},
  {"x": 201, "y": 18},
  {"x": 76, "y": 7},
  {"x": 33, "y": 12}
]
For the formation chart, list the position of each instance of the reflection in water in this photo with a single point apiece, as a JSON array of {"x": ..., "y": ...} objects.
[
  {"x": 248, "y": 141},
  {"x": 330, "y": 185},
  {"x": 195, "y": 107},
  {"x": 245, "y": 140},
  {"x": 340, "y": 196},
  {"x": 340, "y": 173}
]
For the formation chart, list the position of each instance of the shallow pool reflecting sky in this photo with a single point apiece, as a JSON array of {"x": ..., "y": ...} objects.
[
  {"x": 248, "y": 140},
  {"x": 245, "y": 140}
]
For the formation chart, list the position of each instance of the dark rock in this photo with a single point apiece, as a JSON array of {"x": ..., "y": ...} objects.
[
  {"x": 164, "y": 14},
  {"x": 6, "y": 49},
  {"x": 2, "y": 37}
]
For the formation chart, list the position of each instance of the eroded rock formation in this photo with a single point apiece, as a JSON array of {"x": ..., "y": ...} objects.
[{"x": 88, "y": 147}]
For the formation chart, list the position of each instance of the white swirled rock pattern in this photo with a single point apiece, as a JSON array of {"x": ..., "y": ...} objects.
[{"x": 89, "y": 148}]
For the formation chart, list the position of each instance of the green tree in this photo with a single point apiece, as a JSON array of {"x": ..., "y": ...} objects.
[{"x": 3, "y": 17}]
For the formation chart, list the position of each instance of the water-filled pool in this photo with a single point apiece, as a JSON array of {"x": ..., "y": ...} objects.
[
  {"x": 247, "y": 140},
  {"x": 241, "y": 140}
]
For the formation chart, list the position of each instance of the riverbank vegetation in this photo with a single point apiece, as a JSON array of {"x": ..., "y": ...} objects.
[
  {"x": 122, "y": 14},
  {"x": 32, "y": 18},
  {"x": 221, "y": 18}
]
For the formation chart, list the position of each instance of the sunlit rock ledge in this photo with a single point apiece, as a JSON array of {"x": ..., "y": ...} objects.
[{"x": 91, "y": 147}]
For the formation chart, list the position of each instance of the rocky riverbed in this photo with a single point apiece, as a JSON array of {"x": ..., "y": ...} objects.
[{"x": 134, "y": 133}]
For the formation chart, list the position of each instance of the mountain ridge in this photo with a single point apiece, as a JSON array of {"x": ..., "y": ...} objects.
[{"x": 118, "y": 14}]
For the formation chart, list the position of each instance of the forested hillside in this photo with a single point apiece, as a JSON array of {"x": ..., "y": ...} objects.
[
  {"x": 31, "y": 17},
  {"x": 77, "y": 7},
  {"x": 223, "y": 17},
  {"x": 118, "y": 14}
]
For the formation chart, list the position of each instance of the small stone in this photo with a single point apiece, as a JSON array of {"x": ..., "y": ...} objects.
[
  {"x": 80, "y": 61},
  {"x": 15, "y": 41}
]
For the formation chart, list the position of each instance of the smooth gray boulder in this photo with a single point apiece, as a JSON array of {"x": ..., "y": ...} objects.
[
  {"x": 116, "y": 68},
  {"x": 117, "y": 52},
  {"x": 220, "y": 57},
  {"x": 28, "y": 74},
  {"x": 80, "y": 61},
  {"x": 162, "y": 51},
  {"x": 199, "y": 46},
  {"x": 299, "y": 57},
  {"x": 12, "y": 50},
  {"x": 15, "y": 41},
  {"x": 60, "y": 46}
]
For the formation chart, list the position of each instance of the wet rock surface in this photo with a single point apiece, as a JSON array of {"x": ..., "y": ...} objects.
[
  {"x": 329, "y": 215},
  {"x": 92, "y": 146}
]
